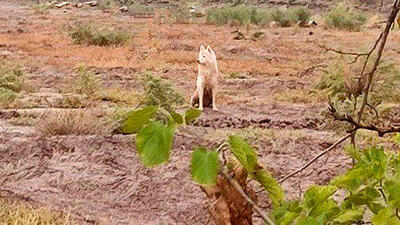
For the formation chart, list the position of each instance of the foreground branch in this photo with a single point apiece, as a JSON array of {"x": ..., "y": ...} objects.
[
  {"x": 238, "y": 188},
  {"x": 315, "y": 158}
]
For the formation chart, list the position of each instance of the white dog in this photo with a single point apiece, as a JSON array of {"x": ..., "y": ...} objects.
[{"x": 207, "y": 79}]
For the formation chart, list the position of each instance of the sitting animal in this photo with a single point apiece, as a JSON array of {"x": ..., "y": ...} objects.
[{"x": 207, "y": 80}]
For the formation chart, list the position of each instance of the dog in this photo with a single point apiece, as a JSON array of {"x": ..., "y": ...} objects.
[{"x": 207, "y": 80}]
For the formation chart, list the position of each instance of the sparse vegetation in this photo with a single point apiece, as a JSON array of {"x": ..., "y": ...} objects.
[
  {"x": 120, "y": 96},
  {"x": 41, "y": 8},
  {"x": 24, "y": 214},
  {"x": 67, "y": 122},
  {"x": 343, "y": 16},
  {"x": 244, "y": 15},
  {"x": 86, "y": 83},
  {"x": 158, "y": 92},
  {"x": 11, "y": 82},
  {"x": 91, "y": 35},
  {"x": 291, "y": 16},
  {"x": 238, "y": 15}
]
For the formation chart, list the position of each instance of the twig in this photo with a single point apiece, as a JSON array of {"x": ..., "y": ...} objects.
[
  {"x": 382, "y": 39},
  {"x": 356, "y": 54},
  {"x": 238, "y": 188},
  {"x": 315, "y": 158}
]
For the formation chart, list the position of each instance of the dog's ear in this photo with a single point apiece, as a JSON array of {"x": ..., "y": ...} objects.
[
  {"x": 202, "y": 48},
  {"x": 212, "y": 53}
]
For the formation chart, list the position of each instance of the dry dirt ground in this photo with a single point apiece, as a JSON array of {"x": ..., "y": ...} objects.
[{"x": 98, "y": 178}]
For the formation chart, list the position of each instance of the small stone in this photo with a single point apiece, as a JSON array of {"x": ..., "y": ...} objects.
[
  {"x": 5, "y": 53},
  {"x": 91, "y": 3},
  {"x": 79, "y": 5},
  {"x": 273, "y": 24},
  {"x": 62, "y": 4},
  {"x": 123, "y": 9},
  {"x": 65, "y": 10}
]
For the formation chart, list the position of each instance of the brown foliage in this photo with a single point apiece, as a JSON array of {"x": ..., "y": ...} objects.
[{"x": 226, "y": 204}]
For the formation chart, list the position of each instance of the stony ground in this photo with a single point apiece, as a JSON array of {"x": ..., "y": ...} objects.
[{"x": 97, "y": 177}]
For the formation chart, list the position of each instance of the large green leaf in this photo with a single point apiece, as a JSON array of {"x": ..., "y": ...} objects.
[
  {"x": 275, "y": 191},
  {"x": 154, "y": 143},
  {"x": 349, "y": 216},
  {"x": 191, "y": 115},
  {"x": 243, "y": 152},
  {"x": 204, "y": 166},
  {"x": 317, "y": 194},
  {"x": 286, "y": 213},
  {"x": 392, "y": 189},
  {"x": 178, "y": 118},
  {"x": 385, "y": 217},
  {"x": 136, "y": 119}
]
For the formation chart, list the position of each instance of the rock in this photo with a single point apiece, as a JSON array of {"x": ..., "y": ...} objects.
[
  {"x": 5, "y": 53},
  {"x": 62, "y": 4},
  {"x": 79, "y": 5},
  {"x": 91, "y": 3},
  {"x": 273, "y": 24},
  {"x": 53, "y": 2},
  {"x": 123, "y": 9},
  {"x": 65, "y": 10}
]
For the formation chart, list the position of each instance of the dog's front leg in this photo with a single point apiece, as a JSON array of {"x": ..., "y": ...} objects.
[
  {"x": 200, "y": 91},
  {"x": 214, "y": 97}
]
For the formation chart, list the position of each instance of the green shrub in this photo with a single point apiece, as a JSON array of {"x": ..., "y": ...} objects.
[
  {"x": 158, "y": 92},
  {"x": 90, "y": 35},
  {"x": 288, "y": 17},
  {"x": 10, "y": 83},
  {"x": 344, "y": 17},
  {"x": 241, "y": 15}
]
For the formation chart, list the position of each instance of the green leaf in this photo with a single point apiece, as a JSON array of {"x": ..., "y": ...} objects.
[
  {"x": 191, "y": 115},
  {"x": 385, "y": 217},
  {"x": 204, "y": 166},
  {"x": 396, "y": 138},
  {"x": 275, "y": 191},
  {"x": 136, "y": 119},
  {"x": 317, "y": 194},
  {"x": 154, "y": 143},
  {"x": 349, "y": 216},
  {"x": 309, "y": 221},
  {"x": 392, "y": 188},
  {"x": 178, "y": 118},
  {"x": 286, "y": 213},
  {"x": 243, "y": 152}
]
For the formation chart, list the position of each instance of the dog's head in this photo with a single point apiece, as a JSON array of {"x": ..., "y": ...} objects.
[{"x": 206, "y": 56}]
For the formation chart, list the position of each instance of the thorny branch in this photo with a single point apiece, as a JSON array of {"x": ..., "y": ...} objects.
[{"x": 315, "y": 158}]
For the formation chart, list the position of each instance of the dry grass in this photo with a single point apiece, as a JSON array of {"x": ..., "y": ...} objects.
[
  {"x": 71, "y": 122},
  {"x": 120, "y": 96},
  {"x": 25, "y": 214}
]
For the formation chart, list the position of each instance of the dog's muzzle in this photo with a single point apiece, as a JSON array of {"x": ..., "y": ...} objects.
[{"x": 198, "y": 61}]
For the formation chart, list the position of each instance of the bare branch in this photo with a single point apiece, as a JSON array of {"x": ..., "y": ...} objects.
[{"x": 315, "y": 158}]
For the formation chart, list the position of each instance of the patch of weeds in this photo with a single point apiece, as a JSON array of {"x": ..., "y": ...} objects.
[
  {"x": 86, "y": 83},
  {"x": 91, "y": 35},
  {"x": 181, "y": 15},
  {"x": 238, "y": 75},
  {"x": 23, "y": 213},
  {"x": 344, "y": 17},
  {"x": 160, "y": 93},
  {"x": 71, "y": 122},
  {"x": 291, "y": 16},
  {"x": 41, "y": 8},
  {"x": 22, "y": 121},
  {"x": 72, "y": 101},
  {"x": 11, "y": 83},
  {"x": 298, "y": 96},
  {"x": 242, "y": 15},
  {"x": 120, "y": 96}
]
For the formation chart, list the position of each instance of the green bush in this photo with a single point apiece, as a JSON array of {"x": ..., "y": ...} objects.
[
  {"x": 158, "y": 92},
  {"x": 90, "y": 35},
  {"x": 290, "y": 16},
  {"x": 344, "y": 17},
  {"x": 241, "y": 15},
  {"x": 10, "y": 83}
]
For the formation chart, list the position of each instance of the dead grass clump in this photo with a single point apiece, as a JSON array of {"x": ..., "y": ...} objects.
[
  {"x": 22, "y": 213},
  {"x": 90, "y": 35},
  {"x": 120, "y": 96},
  {"x": 71, "y": 122}
]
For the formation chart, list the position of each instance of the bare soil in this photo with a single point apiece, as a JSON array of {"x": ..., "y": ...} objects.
[{"x": 98, "y": 178}]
